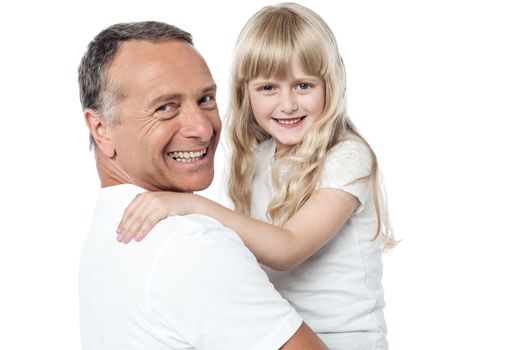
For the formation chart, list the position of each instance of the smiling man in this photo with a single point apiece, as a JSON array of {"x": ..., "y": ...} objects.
[
  {"x": 167, "y": 112},
  {"x": 149, "y": 103}
]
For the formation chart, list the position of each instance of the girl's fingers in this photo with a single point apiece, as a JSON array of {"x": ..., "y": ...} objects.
[
  {"x": 141, "y": 215},
  {"x": 128, "y": 216},
  {"x": 140, "y": 226},
  {"x": 146, "y": 227},
  {"x": 136, "y": 225}
]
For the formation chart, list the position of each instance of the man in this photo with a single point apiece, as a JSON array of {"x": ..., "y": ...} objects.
[{"x": 149, "y": 102}]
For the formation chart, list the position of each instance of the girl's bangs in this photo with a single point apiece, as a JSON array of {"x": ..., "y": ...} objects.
[{"x": 269, "y": 50}]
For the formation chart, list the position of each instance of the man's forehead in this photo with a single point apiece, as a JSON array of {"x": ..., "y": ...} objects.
[
  {"x": 145, "y": 66},
  {"x": 141, "y": 53}
]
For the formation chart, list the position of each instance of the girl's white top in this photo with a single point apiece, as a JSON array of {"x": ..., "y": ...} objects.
[{"x": 338, "y": 290}]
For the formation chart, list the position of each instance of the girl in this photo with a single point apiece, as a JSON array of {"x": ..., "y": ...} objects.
[{"x": 303, "y": 181}]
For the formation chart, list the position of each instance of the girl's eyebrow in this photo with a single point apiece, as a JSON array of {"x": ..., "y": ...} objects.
[
  {"x": 307, "y": 77},
  {"x": 261, "y": 81},
  {"x": 270, "y": 80}
]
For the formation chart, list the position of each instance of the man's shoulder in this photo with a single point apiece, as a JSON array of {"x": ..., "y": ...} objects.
[
  {"x": 195, "y": 228},
  {"x": 195, "y": 278},
  {"x": 197, "y": 247},
  {"x": 198, "y": 235}
]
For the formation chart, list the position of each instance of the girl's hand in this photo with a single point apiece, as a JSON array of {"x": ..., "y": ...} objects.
[{"x": 146, "y": 210}]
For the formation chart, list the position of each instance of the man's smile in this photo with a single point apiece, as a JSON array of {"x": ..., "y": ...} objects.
[{"x": 187, "y": 156}]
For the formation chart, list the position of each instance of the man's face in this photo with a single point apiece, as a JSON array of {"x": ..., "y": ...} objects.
[{"x": 169, "y": 124}]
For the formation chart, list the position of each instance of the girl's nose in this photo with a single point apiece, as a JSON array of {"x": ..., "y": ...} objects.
[{"x": 288, "y": 102}]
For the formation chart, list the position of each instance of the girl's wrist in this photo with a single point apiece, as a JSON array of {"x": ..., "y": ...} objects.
[
  {"x": 181, "y": 204},
  {"x": 197, "y": 204}
]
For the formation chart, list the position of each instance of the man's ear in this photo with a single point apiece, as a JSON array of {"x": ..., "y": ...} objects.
[{"x": 101, "y": 132}]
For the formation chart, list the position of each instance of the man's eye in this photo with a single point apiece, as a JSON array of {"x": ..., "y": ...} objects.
[
  {"x": 169, "y": 107},
  {"x": 207, "y": 102},
  {"x": 207, "y": 99}
]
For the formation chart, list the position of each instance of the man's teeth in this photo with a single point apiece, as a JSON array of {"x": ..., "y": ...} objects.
[
  {"x": 289, "y": 121},
  {"x": 187, "y": 157}
]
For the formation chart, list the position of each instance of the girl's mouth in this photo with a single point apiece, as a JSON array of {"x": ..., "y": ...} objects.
[{"x": 288, "y": 122}]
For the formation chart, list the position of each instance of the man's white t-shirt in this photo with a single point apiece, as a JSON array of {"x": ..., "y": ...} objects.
[
  {"x": 190, "y": 284},
  {"x": 338, "y": 290}
]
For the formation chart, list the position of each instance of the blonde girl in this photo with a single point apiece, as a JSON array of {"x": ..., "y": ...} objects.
[{"x": 304, "y": 184}]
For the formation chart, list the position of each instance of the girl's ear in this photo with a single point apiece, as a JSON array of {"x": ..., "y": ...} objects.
[{"x": 101, "y": 132}]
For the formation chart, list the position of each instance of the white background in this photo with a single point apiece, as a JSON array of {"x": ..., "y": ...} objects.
[{"x": 438, "y": 88}]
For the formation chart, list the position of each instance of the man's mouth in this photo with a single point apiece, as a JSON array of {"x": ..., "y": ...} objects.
[
  {"x": 289, "y": 121},
  {"x": 187, "y": 156}
]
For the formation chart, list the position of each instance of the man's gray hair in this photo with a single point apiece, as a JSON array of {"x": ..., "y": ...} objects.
[{"x": 96, "y": 92}]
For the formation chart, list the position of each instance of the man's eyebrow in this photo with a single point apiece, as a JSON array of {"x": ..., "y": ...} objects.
[
  {"x": 168, "y": 97},
  {"x": 208, "y": 89},
  {"x": 164, "y": 98}
]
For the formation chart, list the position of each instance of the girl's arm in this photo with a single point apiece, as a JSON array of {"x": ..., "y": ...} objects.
[{"x": 280, "y": 248}]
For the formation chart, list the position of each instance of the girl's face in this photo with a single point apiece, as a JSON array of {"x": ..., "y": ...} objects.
[{"x": 286, "y": 108}]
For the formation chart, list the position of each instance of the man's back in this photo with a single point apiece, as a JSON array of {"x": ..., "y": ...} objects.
[{"x": 190, "y": 284}]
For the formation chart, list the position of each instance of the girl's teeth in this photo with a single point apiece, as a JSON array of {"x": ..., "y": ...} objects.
[{"x": 289, "y": 121}]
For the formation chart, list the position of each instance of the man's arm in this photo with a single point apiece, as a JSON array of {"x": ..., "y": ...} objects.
[{"x": 304, "y": 339}]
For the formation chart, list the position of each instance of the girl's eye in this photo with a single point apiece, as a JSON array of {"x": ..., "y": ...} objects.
[
  {"x": 267, "y": 88},
  {"x": 303, "y": 86}
]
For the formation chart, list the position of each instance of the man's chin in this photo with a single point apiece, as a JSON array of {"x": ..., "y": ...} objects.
[{"x": 193, "y": 185}]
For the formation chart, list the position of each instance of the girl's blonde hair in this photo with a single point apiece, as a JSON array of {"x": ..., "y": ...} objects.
[{"x": 264, "y": 48}]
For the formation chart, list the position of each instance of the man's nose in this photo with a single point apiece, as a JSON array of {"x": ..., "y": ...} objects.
[
  {"x": 288, "y": 103},
  {"x": 196, "y": 123}
]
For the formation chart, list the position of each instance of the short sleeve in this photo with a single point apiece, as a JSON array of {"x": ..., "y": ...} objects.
[
  {"x": 346, "y": 166},
  {"x": 211, "y": 291}
]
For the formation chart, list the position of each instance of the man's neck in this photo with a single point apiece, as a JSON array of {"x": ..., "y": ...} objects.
[{"x": 110, "y": 174}]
